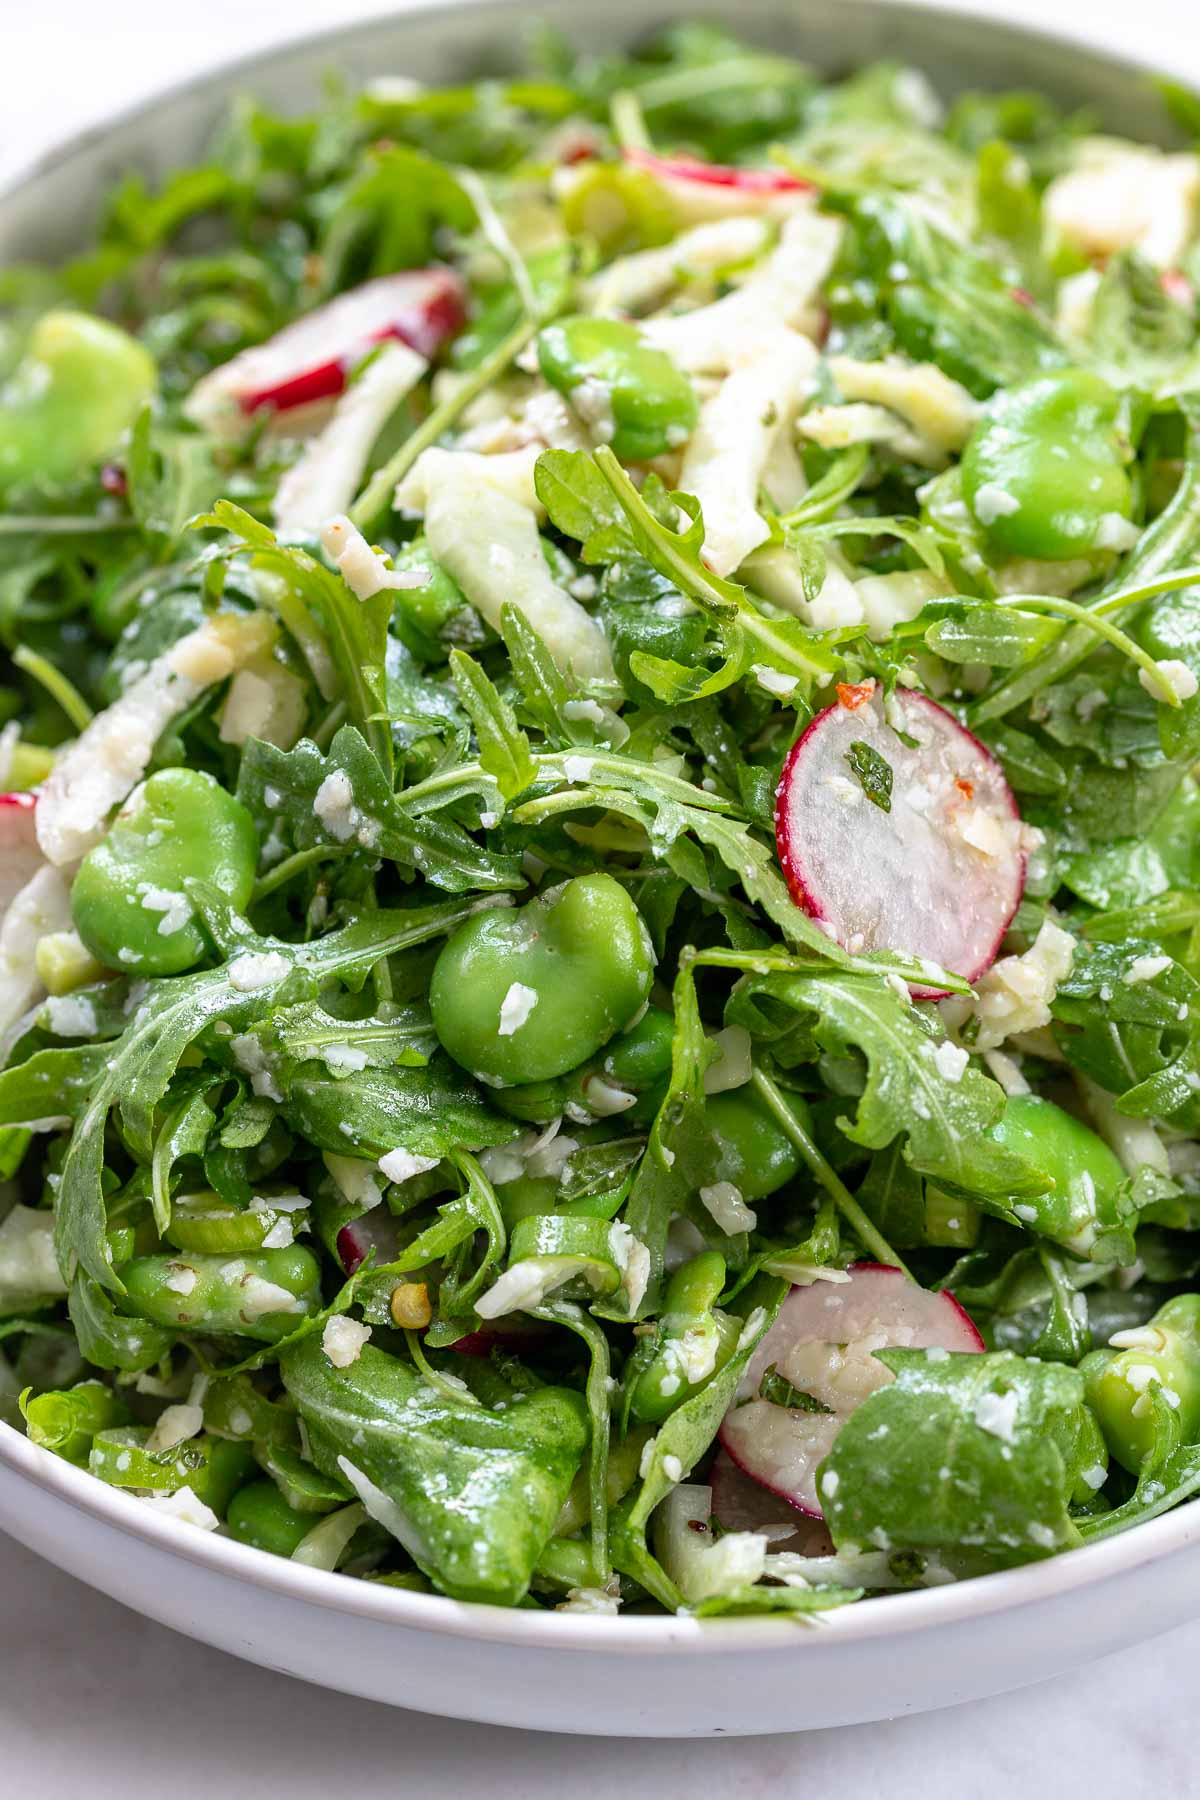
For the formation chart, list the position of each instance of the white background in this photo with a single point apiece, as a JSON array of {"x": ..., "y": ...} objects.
[{"x": 98, "y": 1703}]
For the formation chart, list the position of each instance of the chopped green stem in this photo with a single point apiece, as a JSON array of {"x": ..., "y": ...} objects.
[
  {"x": 843, "y": 1199},
  {"x": 296, "y": 864},
  {"x": 376, "y": 498},
  {"x": 56, "y": 685},
  {"x": 628, "y": 124},
  {"x": 826, "y": 495},
  {"x": 1095, "y": 621}
]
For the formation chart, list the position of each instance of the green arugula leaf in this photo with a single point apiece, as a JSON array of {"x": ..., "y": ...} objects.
[
  {"x": 967, "y": 1450},
  {"x": 471, "y": 1493},
  {"x": 503, "y": 746}
]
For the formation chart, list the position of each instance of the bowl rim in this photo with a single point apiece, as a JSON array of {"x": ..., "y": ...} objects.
[{"x": 888, "y": 1616}]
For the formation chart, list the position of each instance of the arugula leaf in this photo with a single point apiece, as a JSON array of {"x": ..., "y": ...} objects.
[
  {"x": 342, "y": 801},
  {"x": 503, "y": 746},
  {"x": 967, "y": 1450},
  {"x": 906, "y": 1094},
  {"x": 873, "y": 772},
  {"x": 779, "y": 1391},
  {"x": 783, "y": 644},
  {"x": 471, "y": 1493},
  {"x": 137, "y": 1069}
]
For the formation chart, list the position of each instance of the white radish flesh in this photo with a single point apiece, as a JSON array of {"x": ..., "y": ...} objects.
[
  {"x": 739, "y": 1503},
  {"x": 939, "y": 875},
  {"x": 823, "y": 1342}
]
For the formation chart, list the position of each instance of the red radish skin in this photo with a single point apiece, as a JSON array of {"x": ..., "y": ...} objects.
[
  {"x": 752, "y": 183},
  {"x": 20, "y": 856},
  {"x": 941, "y": 874},
  {"x": 310, "y": 360},
  {"x": 514, "y": 1336},
  {"x": 742, "y": 1504},
  {"x": 823, "y": 1342},
  {"x": 375, "y": 1231}
]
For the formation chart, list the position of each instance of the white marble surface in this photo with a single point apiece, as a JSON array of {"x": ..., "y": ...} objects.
[{"x": 96, "y": 1701}]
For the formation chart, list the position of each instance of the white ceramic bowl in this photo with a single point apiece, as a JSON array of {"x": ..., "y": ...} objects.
[{"x": 649, "y": 1677}]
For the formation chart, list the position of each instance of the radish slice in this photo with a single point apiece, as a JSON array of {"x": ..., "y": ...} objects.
[
  {"x": 20, "y": 854},
  {"x": 824, "y": 1342},
  {"x": 704, "y": 190},
  {"x": 309, "y": 360},
  {"x": 376, "y": 1231},
  {"x": 742, "y": 1504},
  {"x": 938, "y": 876},
  {"x": 514, "y": 1335}
]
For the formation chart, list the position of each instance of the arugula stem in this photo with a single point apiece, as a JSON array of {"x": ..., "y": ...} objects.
[
  {"x": 722, "y": 599},
  {"x": 628, "y": 125},
  {"x": 1095, "y": 621},
  {"x": 826, "y": 495},
  {"x": 56, "y": 685},
  {"x": 296, "y": 865},
  {"x": 375, "y": 499},
  {"x": 843, "y": 1199},
  {"x": 60, "y": 525}
]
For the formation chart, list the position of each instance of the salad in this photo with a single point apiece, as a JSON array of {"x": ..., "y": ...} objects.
[{"x": 601, "y": 960}]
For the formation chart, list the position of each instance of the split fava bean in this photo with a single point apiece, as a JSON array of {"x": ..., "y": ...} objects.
[
  {"x": 1044, "y": 471},
  {"x": 631, "y": 395}
]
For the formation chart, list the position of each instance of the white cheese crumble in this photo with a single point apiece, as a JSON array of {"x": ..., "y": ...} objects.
[
  {"x": 71, "y": 1015},
  {"x": 343, "y": 1059},
  {"x": 183, "y": 1505},
  {"x": 515, "y": 1008},
  {"x": 997, "y": 1414},
  {"x": 251, "y": 1059},
  {"x": 724, "y": 1201},
  {"x": 774, "y": 680},
  {"x": 993, "y": 502},
  {"x": 1176, "y": 674},
  {"x": 1145, "y": 968},
  {"x": 342, "y": 1340},
  {"x": 402, "y": 1165},
  {"x": 182, "y": 1279},
  {"x": 950, "y": 1061},
  {"x": 1015, "y": 994},
  {"x": 362, "y": 569},
  {"x": 176, "y": 908},
  {"x": 251, "y": 970},
  {"x": 175, "y": 1425}
]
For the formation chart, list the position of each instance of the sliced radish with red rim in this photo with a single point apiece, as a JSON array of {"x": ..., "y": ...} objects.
[
  {"x": 310, "y": 360},
  {"x": 20, "y": 856},
  {"x": 823, "y": 1342},
  {"x": 704, "y": 190},
  {"x": 937, "y": 875},
  {"x": 741, "y": 1504}
]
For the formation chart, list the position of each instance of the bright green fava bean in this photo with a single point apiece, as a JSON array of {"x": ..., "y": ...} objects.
[
  {"x": 632, "y": 395},
  {"x": 1084, "y": 1175},
  {"x": 695, "y": 1340},
  {"x": 260, "y": 1516},
  {"x": 79, "y": 386},
  {"x": 754, "y": 1153},
  {"x": 1044, "y": 471},
  {"x": 128, "y": 895},
  {"x": 526, "y": 994},
  {"x": 262, "y": 1296},
  {"x": 1120, "y": 1381}
]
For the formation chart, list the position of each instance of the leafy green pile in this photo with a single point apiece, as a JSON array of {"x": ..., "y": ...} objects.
[{"x": 219, "y": 1182}]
